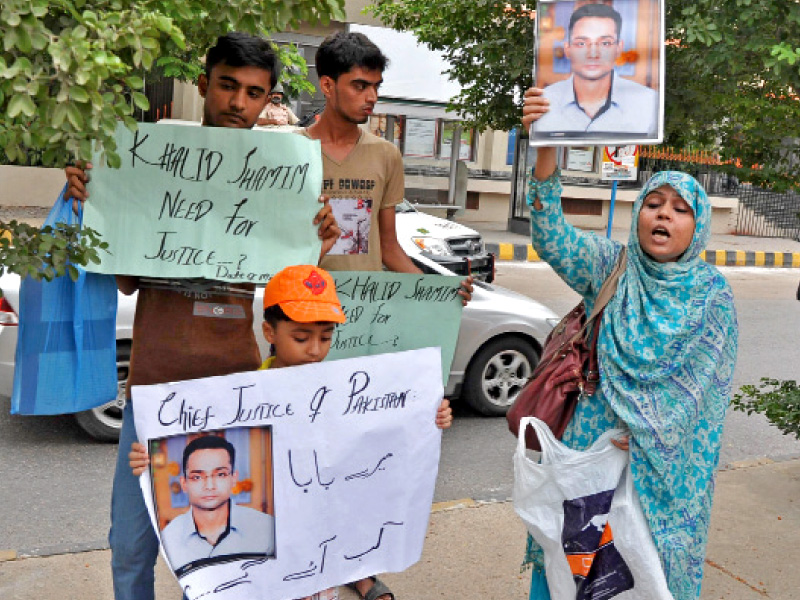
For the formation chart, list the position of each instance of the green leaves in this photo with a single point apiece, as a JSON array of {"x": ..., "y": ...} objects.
[
  {"x": 488, "y": 44},
  {"x": 48, "y": 252},
  {"x": 733, "y": 78},
  {"x": 68, "y": 75},
  {"x": 778, "y": 400},
  {"x": 70, "y": 70}
]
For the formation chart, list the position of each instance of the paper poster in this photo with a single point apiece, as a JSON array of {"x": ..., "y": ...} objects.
[
  {"x": 601, "y": 65},
  {"x": 390, "y": 312},
  {"x": 218, "y": 203},
  {"x": 354, "y": 217},
  {"x": 305, "y": 478},
  {"x": 580, "y": 159},
  {"x": 420, "y": 140},
  {"x": 620, "y": 163}
]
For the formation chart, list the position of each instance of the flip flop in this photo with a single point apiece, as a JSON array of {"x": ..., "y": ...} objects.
[{"x": 377, "y": 590}]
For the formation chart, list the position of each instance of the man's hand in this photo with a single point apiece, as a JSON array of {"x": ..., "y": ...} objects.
[
  {"x": 466, "y": 290},
  {"x": 77, "y": 178},
  {"x": 444, "y": 415},
  {"x": 534, "y": 106},
  {"x": 138, "y": 458},
  {"x": 328, "y": 230}
]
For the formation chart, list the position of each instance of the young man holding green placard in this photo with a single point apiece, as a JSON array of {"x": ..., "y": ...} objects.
[
  {"x": 363, "y": 174},
  {"x": 186, "y": 329}
]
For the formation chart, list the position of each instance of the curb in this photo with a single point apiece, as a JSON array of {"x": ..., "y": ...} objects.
[{"x": 720, "y": 258}]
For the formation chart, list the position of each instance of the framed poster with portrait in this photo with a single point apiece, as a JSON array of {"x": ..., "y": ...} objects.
[
  {"x": 214, "y": 496},
  {"x": 601, "y": 66}
]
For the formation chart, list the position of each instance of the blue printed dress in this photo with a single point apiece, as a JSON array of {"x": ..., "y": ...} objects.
[{"x": 666, "y": 349}]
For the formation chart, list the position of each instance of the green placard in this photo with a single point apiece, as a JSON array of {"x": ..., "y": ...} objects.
[
  {"x": 391, "y": 312},
  {"x": 219, "y": 203}
]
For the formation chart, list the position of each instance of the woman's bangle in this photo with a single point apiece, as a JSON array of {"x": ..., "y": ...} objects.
[{"x": 543, "y": 189}]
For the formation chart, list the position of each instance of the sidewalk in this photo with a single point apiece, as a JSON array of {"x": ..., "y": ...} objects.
[
  {"x": 473, "y": 551},
  {"x": 723, "y": 250}
]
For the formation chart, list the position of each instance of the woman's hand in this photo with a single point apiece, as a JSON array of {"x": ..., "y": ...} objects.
[
  {"x": 622, "y": 442},
  {"x": 138, "y": 458},
  {"x": 534, "y": 106}
]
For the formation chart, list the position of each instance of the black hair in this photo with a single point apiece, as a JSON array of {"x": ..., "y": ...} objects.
[
  {"x": 273, "y": 314},
  {"x": 340, "y": 52},
  {"x": 237, "y": 49},
  {"x": 602, "y": 11},
  {"x": 208, "y": 442}
]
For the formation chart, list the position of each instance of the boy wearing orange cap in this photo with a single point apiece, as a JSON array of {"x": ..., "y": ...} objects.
[{"x": 301, "y": 310}]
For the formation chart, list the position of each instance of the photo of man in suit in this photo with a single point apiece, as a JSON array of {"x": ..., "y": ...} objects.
[
  {"x": 214, "y": 526},
  {"x": 595, "y": 98}
]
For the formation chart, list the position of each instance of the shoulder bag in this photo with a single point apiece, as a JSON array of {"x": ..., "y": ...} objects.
[{"x": 568, "y": 369}]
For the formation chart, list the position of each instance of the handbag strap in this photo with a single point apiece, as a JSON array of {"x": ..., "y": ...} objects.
[
  {"x": 604, "y": 296},
  {"x": 609, "y": 287}
]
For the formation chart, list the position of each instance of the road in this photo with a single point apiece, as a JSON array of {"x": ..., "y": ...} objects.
[{"x": 56, "y": 482}]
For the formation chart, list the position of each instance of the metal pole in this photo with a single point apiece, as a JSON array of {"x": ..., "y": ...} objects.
[
  {"x": 611, "y": 208},
  {"x": 455, "y": 150}
]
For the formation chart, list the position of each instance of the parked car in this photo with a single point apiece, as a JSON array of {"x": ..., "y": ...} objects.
[
  {"x": 450, "y": 244},
  {"x": 498, "y": 346}
]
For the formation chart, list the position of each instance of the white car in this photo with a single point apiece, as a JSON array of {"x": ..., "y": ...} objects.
[
  {"x": 498, "y": 346},
  {"x": 450, "y": 244}
]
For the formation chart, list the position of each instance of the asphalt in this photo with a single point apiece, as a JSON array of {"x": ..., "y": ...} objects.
[{"x": 473, "y": 550}]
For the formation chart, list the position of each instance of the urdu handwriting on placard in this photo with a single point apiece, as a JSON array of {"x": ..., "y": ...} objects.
[
  {"x": 362, "y": 474},
  {"x": 226, "y": 585},
  {"x": 312, "y": 566},
  {"x": 377, "y": 544},
  {"x": 350, "y": 463},
  {"x": 314, "y": 569}
]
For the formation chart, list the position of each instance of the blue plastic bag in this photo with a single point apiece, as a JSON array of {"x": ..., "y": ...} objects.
[{"x": 66, "y": 345}]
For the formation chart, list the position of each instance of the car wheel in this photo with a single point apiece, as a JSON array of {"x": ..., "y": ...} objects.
[
  {"x": 105, "y": 422},
  {"x": 497, "y": 373}
]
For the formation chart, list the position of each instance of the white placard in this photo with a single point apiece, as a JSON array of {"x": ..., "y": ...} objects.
[{"x": 354, "y": 455}]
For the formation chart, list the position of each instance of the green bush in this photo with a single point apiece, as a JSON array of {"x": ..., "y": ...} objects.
[{"x": 778, "y": 400}]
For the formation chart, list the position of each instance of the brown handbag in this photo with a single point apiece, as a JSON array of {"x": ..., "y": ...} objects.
[{"x": 568, "y": 368}]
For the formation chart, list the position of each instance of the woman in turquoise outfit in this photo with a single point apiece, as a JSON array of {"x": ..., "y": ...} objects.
[{"x": 666, "y": 348}]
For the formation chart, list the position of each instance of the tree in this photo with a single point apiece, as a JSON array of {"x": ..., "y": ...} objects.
[
  {"x": 733, "y": 72},
  {"x": 733, "y": 84},
  {"x": 70, "y": 70},
  {"x": 778, "y": 400},
  {"x": 489, "y": 45}
]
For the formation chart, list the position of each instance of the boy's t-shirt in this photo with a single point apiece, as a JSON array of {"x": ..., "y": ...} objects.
[
  {"x": 186, "y": 329},
  {"x": 369, "y": 179}
]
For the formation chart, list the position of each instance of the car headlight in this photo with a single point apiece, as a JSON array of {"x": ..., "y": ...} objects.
[{"x": 435, "y": 246}]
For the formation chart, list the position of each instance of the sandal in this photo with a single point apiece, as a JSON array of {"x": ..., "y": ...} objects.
[{"x": 377, "y": 590}]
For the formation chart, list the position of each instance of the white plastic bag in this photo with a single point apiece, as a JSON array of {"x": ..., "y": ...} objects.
[{"x": 583, "y": 510}]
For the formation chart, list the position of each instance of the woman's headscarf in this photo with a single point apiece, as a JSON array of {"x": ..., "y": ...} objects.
[
  {"x": 667, "y": 348},
  {"x": 667, "y": 344}
]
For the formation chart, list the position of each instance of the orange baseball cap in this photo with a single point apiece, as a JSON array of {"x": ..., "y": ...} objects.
[{"x": 306, "y": 294}]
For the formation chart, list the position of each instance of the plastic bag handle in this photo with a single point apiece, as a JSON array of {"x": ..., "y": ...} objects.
[{"x": 546, "y": 438}]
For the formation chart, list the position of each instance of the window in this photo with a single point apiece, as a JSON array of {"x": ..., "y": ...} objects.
[
  {"x": 446, "y": 141},
  {"x": 423, "y": 138}
]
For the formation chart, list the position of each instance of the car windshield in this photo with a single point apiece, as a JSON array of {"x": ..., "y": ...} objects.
[{"x": 404, "y": 207}]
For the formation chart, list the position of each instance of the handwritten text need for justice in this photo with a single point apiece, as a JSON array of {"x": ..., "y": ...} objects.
[{"x": 197, "y": 164}]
